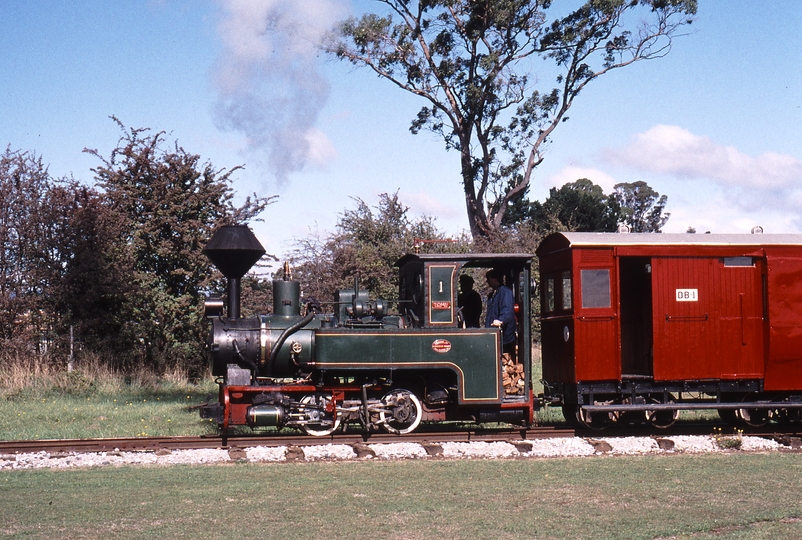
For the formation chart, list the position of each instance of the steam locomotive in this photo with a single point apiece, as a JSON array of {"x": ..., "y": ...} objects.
[
  {"x": 634, "y": 327},
  {"x": 359, "y": 364}
]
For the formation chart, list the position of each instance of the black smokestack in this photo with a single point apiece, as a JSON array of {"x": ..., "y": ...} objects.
[{"x": 234, "y": 250}]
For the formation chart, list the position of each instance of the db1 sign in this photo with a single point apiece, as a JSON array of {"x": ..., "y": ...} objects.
[{"x": 687, "y": 295}]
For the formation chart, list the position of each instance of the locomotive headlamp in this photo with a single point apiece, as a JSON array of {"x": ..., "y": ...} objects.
[{"x": 213, "y": 306}]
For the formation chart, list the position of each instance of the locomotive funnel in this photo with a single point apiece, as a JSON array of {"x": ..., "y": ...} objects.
[{"x": 234, "y": 249}]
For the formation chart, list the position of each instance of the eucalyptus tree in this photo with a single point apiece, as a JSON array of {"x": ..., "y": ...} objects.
[
  {"x": 578, "y": 206},
  {"x": 642, "y": 208},
  {"x": 498, "y": 77}
]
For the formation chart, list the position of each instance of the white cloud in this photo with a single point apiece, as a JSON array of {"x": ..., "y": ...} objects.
[
  {"x": 321, "y": 149},
  {"x": 713, "y": 186},
  {"x": 675, "y": 151},
  {"x": 422, "y": 203}
]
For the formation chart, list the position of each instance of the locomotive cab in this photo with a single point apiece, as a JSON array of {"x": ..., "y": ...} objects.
[{"x": 429, "y": 298}]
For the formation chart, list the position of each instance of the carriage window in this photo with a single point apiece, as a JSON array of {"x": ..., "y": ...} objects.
[
  {"x": 550, "y": 295},
  {"x": 595, "y": 288},
  {"x": 738, "y": 261},
  {"x": 567, "y": 305}
]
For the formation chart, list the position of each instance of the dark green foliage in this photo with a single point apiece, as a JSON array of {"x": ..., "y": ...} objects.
[
  {"x": 24, "y": 246},
  {"x": 474, "y": 63},
  {"x": 366, "y": 246},
  {"x": 90, "y": 267},
  {"x": 120, "y": 271},
  {"x": 256, "y": 295},
  {"x": 169, "y": 204},
  {"x": 60, "y": 268},
  {"x": 578, "y": 206}
]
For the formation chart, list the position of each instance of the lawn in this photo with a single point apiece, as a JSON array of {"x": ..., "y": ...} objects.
[
  {"x": 129, "y": 412},
  {"x": 682, "y": 496}
]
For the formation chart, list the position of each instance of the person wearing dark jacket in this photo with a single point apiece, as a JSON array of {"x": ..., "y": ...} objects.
[
  {"x": 469, "y": 301},
  {"x": 501, "y": 310}
]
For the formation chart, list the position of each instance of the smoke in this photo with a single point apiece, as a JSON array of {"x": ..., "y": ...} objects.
[{"x": 268, "y": 79}]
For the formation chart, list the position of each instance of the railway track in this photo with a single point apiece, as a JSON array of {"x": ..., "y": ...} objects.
[
  {"x": 791, "y": 437},
  {"x": 273, "y": 440}
]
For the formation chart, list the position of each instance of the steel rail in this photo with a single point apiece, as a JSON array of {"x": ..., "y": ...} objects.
[{"x": 245, "y": 441}]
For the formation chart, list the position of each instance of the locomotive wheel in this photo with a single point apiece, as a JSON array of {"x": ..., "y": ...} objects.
[
  {"x": 406, "y": 412},
  {"x": 316, "y": 429}
]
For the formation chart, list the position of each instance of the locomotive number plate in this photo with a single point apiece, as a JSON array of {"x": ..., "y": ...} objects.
[
  {"x": 687, "y": 295},
  {"x": 441, "y": 346}
]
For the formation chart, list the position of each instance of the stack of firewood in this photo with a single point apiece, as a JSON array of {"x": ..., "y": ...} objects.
[{"x": 512, "y": 375}]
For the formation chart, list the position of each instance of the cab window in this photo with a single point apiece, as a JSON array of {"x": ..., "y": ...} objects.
[
  {"x": 550, "y": 295},
  {"x": 567, "y": 303},
  {"x": 557, "y": 293}
]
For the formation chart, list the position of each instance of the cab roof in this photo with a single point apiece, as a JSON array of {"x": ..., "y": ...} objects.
[{"x": 479, "y": 260}]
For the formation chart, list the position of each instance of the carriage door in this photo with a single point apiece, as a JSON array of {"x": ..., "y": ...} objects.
[
  {"x": 741, "y": 340},
  {"x": 596, "y": 325},
  {"x": 708, "y": 317},
  {"x": 636, "y": 316}
]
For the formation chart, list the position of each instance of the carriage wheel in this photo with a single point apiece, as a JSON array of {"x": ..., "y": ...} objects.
[
  {"x": 729, "y": 416},
  {"x": 583, "y": 419},
  {"x": 752, "y": 417},
  {"x": 662, "y": 419},
  {"x": 405, "y": 412}
]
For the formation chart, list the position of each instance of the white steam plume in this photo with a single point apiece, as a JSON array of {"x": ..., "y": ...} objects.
[{"x": 268, "y": 80}]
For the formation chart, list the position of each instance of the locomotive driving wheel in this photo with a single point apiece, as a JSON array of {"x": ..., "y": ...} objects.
[
  {"x": 405, "y": 412},
  {"x": 320, "y": 423}
]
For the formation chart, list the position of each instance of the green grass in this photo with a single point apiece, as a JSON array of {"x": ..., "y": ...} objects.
[
  {"x": 133, "y": 411},
  {"x": 710, "y": 496},
  {"x": 40, "y": 402}
]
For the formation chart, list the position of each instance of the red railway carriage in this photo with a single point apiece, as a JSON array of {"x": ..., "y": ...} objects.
[{"x": 643, "y": 325}]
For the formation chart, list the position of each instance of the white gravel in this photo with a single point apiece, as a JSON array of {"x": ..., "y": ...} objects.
[
  {"x": 632, "y": 445},
  {"x": 398, "y": 451},
  {"x": 479, "y": 450},
  {"x": 539, "y": 448},
  {"x": 572, "y": 447}
]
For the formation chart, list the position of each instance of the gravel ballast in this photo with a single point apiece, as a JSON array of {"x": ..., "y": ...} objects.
[{"x": 538, "y": 448}]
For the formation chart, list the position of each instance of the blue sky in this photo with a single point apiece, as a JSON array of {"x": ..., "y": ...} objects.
[{"x": 715, "y": 125}]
